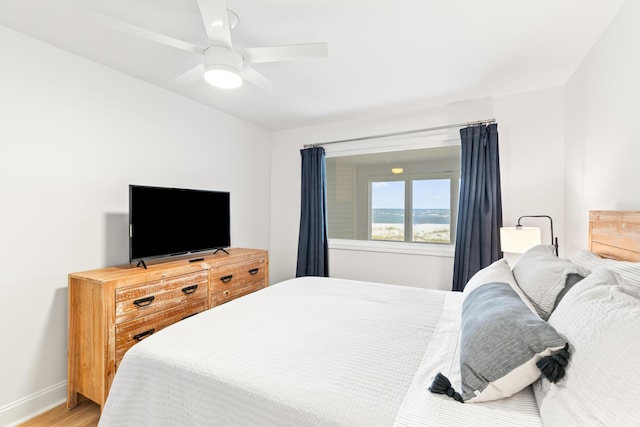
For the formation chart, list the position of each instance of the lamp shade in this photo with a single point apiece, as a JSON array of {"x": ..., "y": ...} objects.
[{"x": 518, "y": 239}]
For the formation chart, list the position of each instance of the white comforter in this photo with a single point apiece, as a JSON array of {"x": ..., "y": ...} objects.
[{"x": 305, "y": 352}]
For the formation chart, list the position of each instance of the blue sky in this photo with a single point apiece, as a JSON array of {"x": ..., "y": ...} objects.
[{"x": 427, "y": 194}]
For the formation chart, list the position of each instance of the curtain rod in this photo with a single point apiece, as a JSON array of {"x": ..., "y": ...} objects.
[{"x": 406, "y": 132}]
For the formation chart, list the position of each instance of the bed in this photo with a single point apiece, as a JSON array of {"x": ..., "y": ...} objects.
[{"x": 332, "y": 352}]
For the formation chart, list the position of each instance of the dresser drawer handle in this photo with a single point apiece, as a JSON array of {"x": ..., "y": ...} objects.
[
  {"x": 190, "y": 289},
  {"x": 254, "y": 271},
  {"x": 226, "y": 279},
  {"x": 143, "y": 335},
  {"x": 143, "y": 302}
]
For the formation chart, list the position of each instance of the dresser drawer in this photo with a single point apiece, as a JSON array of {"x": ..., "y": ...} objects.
[
  {"x": 152, "y": 297},
  {"x": 230, "y": 294},
  {"x": 134, "y": 331},
  {"x": 238, "y": 275}
]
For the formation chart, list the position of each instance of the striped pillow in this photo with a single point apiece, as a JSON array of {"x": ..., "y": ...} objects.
[
  {"x": 630, "y": 271},
  {"x": 543, "y": 277}
]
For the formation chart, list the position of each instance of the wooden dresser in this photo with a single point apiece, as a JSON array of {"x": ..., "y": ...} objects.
[{"x": 113, "y": 308}]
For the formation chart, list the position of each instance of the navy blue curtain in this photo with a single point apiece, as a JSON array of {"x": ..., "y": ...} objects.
[
  {"x": 480, "y": 206},
  {"x": 313, "y": 245}
]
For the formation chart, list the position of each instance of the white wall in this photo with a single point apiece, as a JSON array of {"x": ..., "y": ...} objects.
[
  {"x": 531, "y": 130},
  {"x": 602, "y": 138},
  {"x": 73, "y": 135}
]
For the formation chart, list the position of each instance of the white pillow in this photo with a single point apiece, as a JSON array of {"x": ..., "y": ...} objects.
[
  {"x": 498, "y": 272},
  {"x": 628, "y": 270},
  {"x": 600, "y": 318},
  {"x": 543, "y": 277}
]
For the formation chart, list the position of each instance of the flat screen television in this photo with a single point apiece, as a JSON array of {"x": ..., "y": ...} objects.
[{"x": 165, "y": 222}]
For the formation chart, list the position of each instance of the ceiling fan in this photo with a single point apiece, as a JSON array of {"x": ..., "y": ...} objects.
[{"x": 223, "y": 66}]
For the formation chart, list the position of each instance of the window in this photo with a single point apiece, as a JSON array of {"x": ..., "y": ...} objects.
[
  {"x": 387, "y": 210},
  {"x": 415, "y": 203},
  {"x": 431, "y": 211},
  {"x": 428, "y": 201}
]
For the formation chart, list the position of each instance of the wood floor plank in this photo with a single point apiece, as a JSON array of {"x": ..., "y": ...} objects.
[{"x": 86, "y": 414}]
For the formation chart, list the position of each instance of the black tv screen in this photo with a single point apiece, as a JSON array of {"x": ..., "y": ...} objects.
[{"x": 174, "y": 221}]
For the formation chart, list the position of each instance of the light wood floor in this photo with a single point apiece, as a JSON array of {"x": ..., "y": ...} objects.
[{"x": 86, "y": 414}]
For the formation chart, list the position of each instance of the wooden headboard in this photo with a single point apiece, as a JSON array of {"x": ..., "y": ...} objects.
[{"x": 615, "y": 234}]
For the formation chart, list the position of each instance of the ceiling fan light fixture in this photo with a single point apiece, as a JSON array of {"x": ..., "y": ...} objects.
[
  {"x": 222, "y": 76},
  {"x": 222, "y": 67}
]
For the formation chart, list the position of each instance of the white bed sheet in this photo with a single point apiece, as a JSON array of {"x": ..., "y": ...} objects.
[{"x": 306, "y": 352}]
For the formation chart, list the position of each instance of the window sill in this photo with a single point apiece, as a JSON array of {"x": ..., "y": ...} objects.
[{"x": 425, "y": 249}]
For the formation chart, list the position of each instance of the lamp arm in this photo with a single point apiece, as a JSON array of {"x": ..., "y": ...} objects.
[{"x": 554, "y": 241}]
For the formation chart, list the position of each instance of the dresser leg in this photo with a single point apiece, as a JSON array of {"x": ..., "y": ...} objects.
[{"x": 72, "y": 399}]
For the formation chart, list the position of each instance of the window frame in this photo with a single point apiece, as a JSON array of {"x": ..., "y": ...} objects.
[
  {"x": 454, "y": 190},
  {"x": 382, "y": 145}
]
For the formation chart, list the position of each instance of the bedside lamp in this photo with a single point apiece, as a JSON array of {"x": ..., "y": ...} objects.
[{"x": 518, "y": 239}]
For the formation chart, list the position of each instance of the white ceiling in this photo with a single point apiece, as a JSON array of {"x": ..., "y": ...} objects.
[{"x": 384, "y": 55}]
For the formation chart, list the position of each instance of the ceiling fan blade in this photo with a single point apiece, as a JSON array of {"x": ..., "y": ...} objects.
[
  {"x": 257, "y": 79},
  {"x": 216, "y": 21},
  {"x": 191, "y": 76},
  {"x": 150, "y": 35},
  {"x": 256, "y": 55}
]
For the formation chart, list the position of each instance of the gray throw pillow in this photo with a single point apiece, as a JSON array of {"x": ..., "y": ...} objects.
[
  {"x": 504, "y": 347},
  {"x": 543, "y": 276}
]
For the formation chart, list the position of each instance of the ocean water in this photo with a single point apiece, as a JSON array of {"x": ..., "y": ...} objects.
[{"x": 420, "y": 216}]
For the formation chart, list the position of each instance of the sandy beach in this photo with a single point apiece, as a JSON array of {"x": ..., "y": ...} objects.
[{"x": 437, "y": 233}]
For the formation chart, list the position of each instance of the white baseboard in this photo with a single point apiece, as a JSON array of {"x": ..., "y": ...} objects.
[{"x": 35, "y": 404}]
